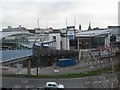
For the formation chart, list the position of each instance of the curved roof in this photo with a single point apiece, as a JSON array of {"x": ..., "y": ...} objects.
[{"x": 7, "y": 34}]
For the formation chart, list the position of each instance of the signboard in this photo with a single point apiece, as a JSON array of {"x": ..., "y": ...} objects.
[
  {"x": 70, "y": 35},
  {"x": 19, "y": 66},
  {"x": 71, "y": 28}
]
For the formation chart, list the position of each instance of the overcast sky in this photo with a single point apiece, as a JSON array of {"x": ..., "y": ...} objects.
[{"x": 53, "y": 13}]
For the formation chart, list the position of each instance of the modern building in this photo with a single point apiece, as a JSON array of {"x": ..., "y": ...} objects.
[
  {"x": 20, "y": 37},
  {"x": 10, "y": 29},
  {"x": 57, "y": 42},
  {"x": 64, "y": 39}
]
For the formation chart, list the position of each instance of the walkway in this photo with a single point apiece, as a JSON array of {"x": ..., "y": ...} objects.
[{"x": 14, "y": 55}]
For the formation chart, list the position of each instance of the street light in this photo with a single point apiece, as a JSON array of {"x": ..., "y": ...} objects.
[
  {"x": 56, "y": 71},
  {"x": 90, "y": 43},
  {"x": 38, "y": 53}
]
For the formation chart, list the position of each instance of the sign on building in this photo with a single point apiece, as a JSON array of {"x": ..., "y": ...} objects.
[
  {"x": 72, "y": 28},
  {"x": 71, "y": 35}
]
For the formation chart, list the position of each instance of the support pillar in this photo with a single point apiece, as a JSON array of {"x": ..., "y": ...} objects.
[
  {"x": 29, "y": 67},
  {"x": 80, "y": 54},
  {"x": 78, "y": 43}
]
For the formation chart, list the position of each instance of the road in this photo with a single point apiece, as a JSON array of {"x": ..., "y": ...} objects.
[{"x": 103, "y": 81}]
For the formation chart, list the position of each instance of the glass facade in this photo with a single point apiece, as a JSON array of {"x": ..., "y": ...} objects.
[{"x": 15, "y": 42}]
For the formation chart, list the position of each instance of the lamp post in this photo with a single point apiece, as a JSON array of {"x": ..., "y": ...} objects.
[
  {"x": 66, "y": 38},
  {"x": 90, "y": 42},
  {"x": 38, "y": 56},
  {"x": 56, "y": 71},
  {"x": 38, "y": 66},
  {"x": 39, "y": 52}
]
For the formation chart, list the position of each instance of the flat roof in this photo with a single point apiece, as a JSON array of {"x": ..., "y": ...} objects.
[{"x": 92, "y": 33}]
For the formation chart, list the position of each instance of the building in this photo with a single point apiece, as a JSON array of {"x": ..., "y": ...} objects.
[
  {"x": 57, "y": 43},
  {"x": 10, "y": 29},
  {"x": 21, "y": 37},
  {"x": 89, "y": 27},
  {"x": 64, "y": 39}
]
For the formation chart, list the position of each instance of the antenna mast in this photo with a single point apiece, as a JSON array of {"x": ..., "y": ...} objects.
[
  {"x": 38, "y": 23},
  {"x": 74, "y": 21}
]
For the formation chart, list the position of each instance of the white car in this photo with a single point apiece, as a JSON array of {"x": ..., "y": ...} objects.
[{"x": 54, "y": 85}]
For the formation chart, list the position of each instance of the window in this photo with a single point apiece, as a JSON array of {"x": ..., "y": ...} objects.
[
  {"x": 54, "y": 85},
  {"x": 49, "y": 84},
  {"x": 54, "y": 37}
]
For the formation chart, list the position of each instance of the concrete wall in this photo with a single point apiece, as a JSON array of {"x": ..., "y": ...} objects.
[
  {"x": 57, "y": 44},
  {"x": 107, "y": 41},
  {"x": 64, "y": 45}
]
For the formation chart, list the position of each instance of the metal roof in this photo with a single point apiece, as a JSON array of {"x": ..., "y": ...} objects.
[
  {"x": 92, "y": 33},
  {"x": 7, "y": 34}
]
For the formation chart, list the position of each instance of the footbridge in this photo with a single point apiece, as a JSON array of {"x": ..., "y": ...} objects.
[
  {"x": 14, "y": 56},
  {"x": 11, "y": 56}
]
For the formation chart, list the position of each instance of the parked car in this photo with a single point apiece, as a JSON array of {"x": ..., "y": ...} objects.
[{"x": 54, "y": 85}]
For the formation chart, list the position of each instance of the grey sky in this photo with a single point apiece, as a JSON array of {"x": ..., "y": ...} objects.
[{"x": 53, "y": 13}]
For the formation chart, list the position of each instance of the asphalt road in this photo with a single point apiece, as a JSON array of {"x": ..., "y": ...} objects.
[{"x": 103, "y": 81}]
